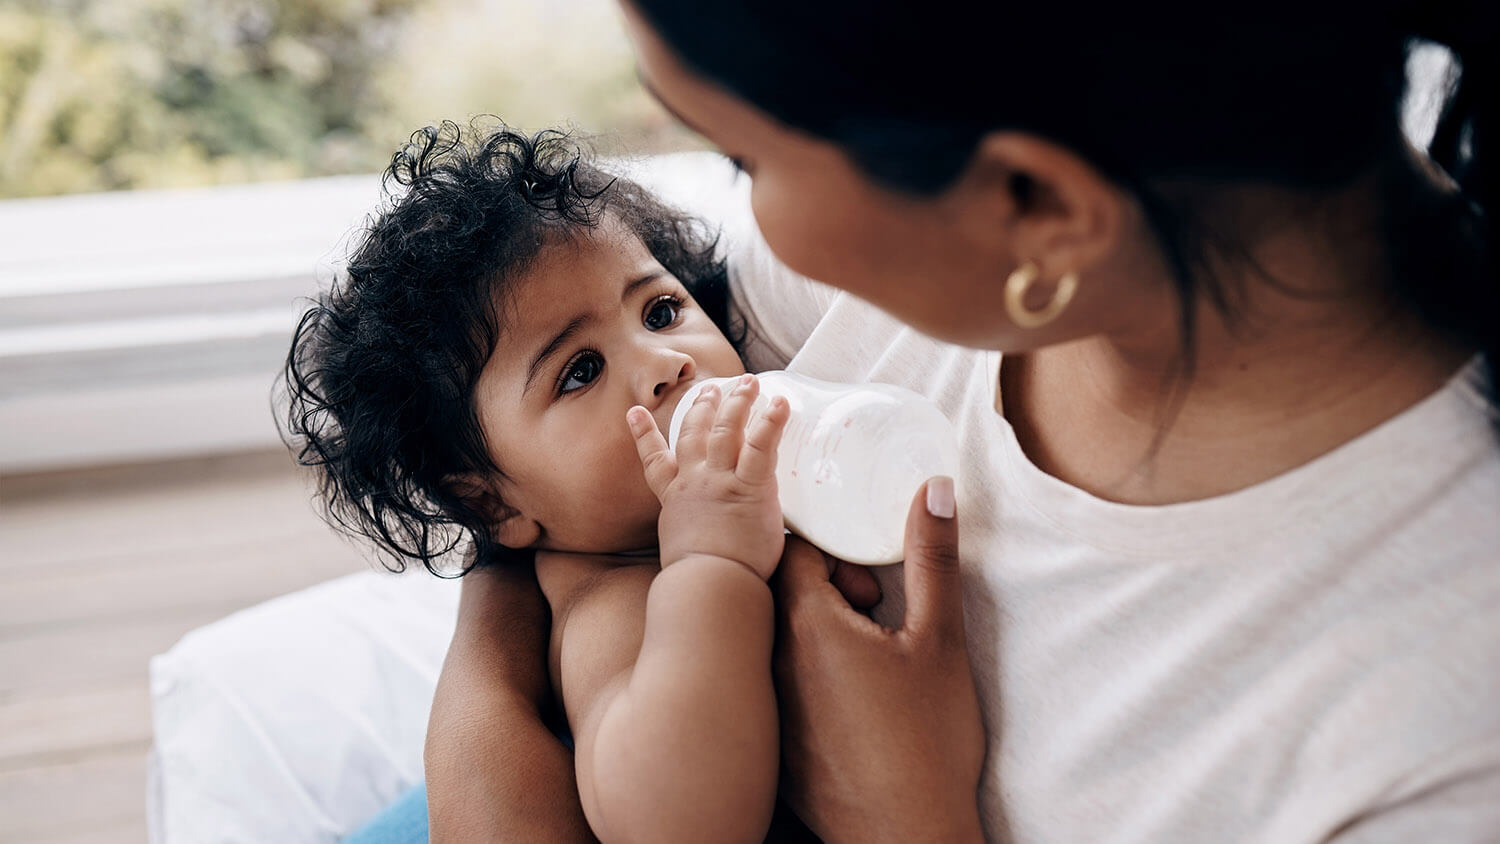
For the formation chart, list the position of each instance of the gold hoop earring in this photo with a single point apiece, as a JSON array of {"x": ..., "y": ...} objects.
[{"x": 1019, "y": 284}]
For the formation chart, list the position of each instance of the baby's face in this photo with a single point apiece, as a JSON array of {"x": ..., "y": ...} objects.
[{"x": 594, "y": 328}]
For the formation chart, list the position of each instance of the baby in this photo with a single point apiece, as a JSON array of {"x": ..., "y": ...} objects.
[{"x": 511, "y": 337}]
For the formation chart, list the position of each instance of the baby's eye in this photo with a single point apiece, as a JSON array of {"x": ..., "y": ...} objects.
[
  {"x": 580, "y": 372},
  {"x": 663, "y": 312}
]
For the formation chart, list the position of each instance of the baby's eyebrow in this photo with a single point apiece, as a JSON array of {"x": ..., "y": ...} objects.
[
  {"x": 577, "y": 324},
  {"x": 551, "y": 348}
]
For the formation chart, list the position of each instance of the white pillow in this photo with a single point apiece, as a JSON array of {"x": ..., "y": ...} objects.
[{"x": 299, "y": 719}]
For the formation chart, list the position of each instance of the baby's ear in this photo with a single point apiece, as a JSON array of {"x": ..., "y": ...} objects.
[
  {"x": 515, "y": 530},
  {"x": 512, "y": 528}
]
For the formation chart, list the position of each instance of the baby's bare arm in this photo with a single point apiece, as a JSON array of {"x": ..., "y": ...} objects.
[
  {"x": 674, "y": 714},
  {"x": 669, "y": 689}
]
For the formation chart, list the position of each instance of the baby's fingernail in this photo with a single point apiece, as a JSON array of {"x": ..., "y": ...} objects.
[
  {"x": 708, "y": 393},
  {"x": 940, "y": 497},
  {"x": 744, "y": 383},
  {"x": 635, "y": 418}
]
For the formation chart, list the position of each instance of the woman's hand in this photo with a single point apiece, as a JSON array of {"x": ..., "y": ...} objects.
[
  {"x": 718, "y": 491},
  {"x": 881, "y": 732}
]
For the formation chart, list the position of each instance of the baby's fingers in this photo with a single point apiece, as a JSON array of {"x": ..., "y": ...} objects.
[
  {"x": 692, "y": 437},
  {"x": 758, "y": 456},
  {"x": 657, "y": 460},
  {"x": 728, "y": 433}
]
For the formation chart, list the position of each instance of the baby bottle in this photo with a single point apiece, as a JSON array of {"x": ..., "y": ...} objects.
[{"x": 850, "y": 461}]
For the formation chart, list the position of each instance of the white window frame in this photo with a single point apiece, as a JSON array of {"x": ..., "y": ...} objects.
[{"x": 144, "y": 325}]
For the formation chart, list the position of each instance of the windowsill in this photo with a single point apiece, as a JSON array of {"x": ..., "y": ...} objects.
[{"x": 152, "y": 324}]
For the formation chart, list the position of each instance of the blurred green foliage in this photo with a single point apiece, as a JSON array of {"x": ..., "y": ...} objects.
[{"x": 115, "y": 94}]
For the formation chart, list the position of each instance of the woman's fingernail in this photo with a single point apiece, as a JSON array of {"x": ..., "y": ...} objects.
[{"x": 940, "y": 497}]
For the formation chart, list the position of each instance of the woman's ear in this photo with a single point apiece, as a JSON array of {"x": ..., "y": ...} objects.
[
  {"x": 512, "y": 528},
  {"x": 1052, "y": 207}
]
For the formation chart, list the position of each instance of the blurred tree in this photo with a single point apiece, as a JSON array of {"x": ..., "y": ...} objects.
[
  {"x": 111, "y": 94},
  {"x": 534, "y": 63}
]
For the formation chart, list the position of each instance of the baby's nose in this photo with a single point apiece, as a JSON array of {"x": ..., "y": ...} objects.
[
  {"x": 684, "y": 372},
  {"x": 663, "y": 377}
]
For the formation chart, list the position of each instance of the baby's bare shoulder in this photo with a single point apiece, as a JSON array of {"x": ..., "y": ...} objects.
[
  {"x": 598, "y": 619},
  {"x": 567, "y": 577}
]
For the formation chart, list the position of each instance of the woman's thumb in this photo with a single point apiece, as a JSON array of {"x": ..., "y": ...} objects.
[{"x": 934, "y": 596}]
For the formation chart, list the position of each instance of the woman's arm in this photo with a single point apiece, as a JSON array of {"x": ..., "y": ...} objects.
[{"x": 495, "y": 772}]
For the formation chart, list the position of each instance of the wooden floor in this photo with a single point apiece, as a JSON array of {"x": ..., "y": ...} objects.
[{"x": 102, "y": 569}]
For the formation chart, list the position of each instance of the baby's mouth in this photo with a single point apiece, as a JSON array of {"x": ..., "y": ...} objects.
[{"x": 664, "y": 411}]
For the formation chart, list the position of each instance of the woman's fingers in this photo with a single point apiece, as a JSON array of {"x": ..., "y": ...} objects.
[
  {"x": 803, "y": 573},
  {"x": 810, "y": 586},
  {"x": 657, "y": 460},
  {"x": 841, "y": 679},
  {"x": 728, "y": 432},
  {"x": 856, "y": 583},
  {"x": 757, "y": 459},
  {"x": 934, "y": 593}
]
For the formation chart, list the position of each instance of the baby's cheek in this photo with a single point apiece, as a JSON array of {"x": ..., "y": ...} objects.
[
  {"x": 622, "y": 490},
  {"x": 633, "y": 519}
]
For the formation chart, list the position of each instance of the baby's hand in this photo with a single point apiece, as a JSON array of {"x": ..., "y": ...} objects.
[{"x": 718, "y": 492}]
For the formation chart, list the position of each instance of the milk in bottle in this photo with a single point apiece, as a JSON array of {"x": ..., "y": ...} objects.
[{"x": 850, "y": 461}]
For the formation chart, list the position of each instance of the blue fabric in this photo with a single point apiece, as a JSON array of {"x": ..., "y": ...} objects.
[{"x": 404, "y": 822}]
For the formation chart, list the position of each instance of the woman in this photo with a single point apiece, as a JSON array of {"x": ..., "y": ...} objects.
[{"x": 1226, "y": 542}]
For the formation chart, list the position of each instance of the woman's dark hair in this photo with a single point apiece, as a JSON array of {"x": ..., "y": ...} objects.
[
  {"x": 382, "y": 370},
  {"x": 1158, "y": 95}
]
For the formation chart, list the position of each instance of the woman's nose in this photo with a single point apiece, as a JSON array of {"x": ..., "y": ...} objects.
[{"x": 660, "y": 373}]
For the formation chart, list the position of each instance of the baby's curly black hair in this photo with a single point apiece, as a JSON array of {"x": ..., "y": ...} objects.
[{"x": 381, "y": 374}]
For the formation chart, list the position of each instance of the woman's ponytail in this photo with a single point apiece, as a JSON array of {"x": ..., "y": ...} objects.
[{"x": 1449, "y": 265}]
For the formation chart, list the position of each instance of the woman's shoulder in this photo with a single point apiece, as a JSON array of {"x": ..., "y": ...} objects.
[{"x": 1437, "y": 462}]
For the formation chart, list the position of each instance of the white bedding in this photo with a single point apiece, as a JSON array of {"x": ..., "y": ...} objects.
[{"x": 299, "y": 719}]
